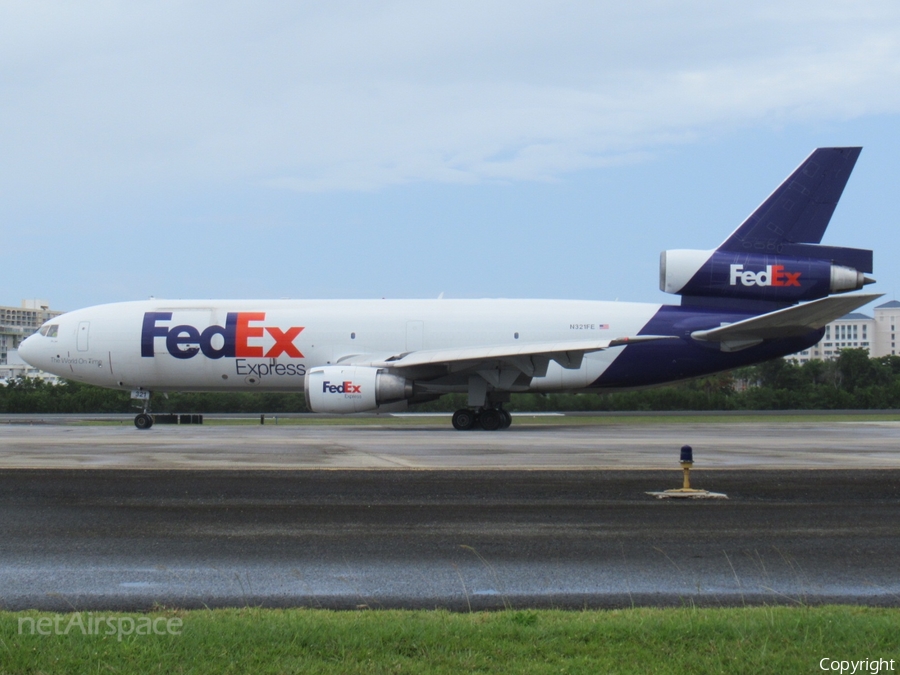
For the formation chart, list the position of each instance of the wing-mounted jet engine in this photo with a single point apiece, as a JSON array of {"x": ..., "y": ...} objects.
[{"x": 349, "y": 389}]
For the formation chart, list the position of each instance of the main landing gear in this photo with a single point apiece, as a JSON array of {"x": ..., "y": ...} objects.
[{"x": 489, "y": 419}]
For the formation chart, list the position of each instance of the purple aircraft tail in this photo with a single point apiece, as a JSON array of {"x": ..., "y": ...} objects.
[{"x": 775, "y": 255}]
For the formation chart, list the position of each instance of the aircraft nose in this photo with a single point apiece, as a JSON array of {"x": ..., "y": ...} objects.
[{"x": 28, "y": 351}]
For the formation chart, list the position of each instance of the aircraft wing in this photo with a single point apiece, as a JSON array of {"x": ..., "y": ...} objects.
[
  {"x": 783, "y": 323},
  {"x": 566, "y": 353}
]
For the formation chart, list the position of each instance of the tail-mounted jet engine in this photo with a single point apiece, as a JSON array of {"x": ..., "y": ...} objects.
[
  {"x": 347, "y": 389},
  {"x": 726, "y": 274}
]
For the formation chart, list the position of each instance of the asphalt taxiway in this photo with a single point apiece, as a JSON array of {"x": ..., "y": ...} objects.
[{"x": 415, "y": 515}]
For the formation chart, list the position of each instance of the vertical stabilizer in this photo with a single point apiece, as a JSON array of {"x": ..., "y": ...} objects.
[{"x": 799, "y": 209}]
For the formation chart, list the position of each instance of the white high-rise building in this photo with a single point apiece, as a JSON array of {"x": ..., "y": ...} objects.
[
  {"x": 887, "y": 318},
  {"x": 877, "y": 335},
  {"x": 16, "y": 324}
]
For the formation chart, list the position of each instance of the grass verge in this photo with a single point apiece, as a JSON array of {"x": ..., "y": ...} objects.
[{"x": 686, "y": 640}]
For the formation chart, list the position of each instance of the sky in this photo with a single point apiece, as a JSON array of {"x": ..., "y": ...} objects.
[{"x": 407, "y": 149}]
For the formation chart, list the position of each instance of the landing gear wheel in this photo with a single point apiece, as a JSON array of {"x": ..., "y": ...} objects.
[
  {"x": 143, "y": 421},
  {"x": 464, "y": 419},
  {"x": 507, "y": 419},
  {"x": 491, "y": 419}
]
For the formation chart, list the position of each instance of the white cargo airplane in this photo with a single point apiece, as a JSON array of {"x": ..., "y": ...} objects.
[{"x": 739, "y": 305}]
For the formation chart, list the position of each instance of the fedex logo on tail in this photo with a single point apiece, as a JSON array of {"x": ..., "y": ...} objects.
[
  {"x": 239, "y": 337},
  {"x": 772, "y": 275},
  {"x": 342, "y": 388}
]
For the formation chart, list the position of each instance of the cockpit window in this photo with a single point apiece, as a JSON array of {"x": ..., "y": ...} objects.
[{"x": 49, "y": 330}]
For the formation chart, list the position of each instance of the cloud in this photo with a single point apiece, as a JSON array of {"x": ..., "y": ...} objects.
[{"x": 359, "y": 95}]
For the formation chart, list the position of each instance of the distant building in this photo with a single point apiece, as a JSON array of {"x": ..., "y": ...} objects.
[
  {"x": 877, "y": 335},
  {"x": 887, "y": 318},
  {"x": 16, "y": 324},
  {"x": 16, "y": 367}
]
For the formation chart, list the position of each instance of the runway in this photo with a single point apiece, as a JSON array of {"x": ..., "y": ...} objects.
[
  {"x": 388, "y": 444},
  {"x": 114, "y": 539}
]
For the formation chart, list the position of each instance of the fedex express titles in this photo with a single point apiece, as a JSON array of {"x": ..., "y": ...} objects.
[
  {"x": 772, "y": 275},
  {"x": 185, "y": 342}
]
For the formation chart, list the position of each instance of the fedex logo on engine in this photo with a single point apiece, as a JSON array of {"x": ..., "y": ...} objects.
[
  {"x": 342, "y": 388},
  {"x": 239, "y": 337},
  {"x": 772, "y": 275}
]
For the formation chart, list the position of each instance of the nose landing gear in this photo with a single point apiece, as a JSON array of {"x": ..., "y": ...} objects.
[{"x": 143, "y": 420}]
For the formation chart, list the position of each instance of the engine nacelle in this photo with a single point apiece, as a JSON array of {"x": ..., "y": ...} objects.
[
  {"x": 727, "y": 274},
  {"x": 349, "y": 389}
]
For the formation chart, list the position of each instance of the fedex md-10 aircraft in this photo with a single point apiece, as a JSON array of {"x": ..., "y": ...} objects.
[{"x": 766, "y": 291}]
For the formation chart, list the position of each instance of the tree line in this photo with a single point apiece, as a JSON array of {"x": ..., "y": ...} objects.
[{"x": 852, "y": 381}]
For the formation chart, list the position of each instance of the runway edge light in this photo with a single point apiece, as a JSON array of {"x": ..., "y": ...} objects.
[{"x": 686, "y": 491}]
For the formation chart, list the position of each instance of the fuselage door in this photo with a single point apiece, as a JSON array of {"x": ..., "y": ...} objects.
[{"x": 82, "y": 338}]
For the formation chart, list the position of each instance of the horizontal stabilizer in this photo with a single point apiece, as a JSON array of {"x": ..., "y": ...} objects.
[
  {"x": 788, "y": 322},
  {"x": 500, "y": 352}
]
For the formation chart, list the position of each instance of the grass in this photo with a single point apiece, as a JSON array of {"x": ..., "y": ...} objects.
[{"x": 686, "y": 640}]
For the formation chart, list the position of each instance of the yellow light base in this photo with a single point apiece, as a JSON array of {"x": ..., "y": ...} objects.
[
  {"x": 682, "y": 493},
  {"x": 686, "y": 491}
]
